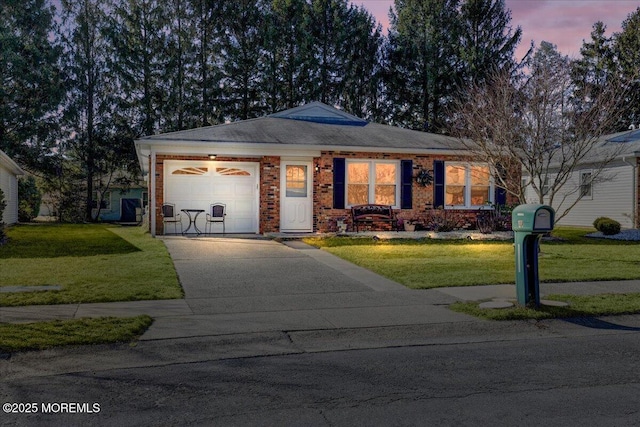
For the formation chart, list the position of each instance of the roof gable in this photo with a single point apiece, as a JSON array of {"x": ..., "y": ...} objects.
[
  {"x": 9, "y": 164},
  {"x": 317, "y": 112}
]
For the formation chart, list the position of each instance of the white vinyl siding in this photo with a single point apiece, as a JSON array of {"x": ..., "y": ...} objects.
[
  {"x": 612, "y": 198},
  {"x": 9, "y": 185}
]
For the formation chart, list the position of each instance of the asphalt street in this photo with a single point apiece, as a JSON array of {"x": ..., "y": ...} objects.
[{"x": 488, "y": 373}]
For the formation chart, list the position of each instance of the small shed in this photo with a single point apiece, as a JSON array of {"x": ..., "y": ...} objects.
[{"x": 9, "y": 172}]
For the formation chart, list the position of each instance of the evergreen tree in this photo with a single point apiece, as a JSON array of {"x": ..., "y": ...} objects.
[
  {"x": 287, "y": 45},
  {"x": 422, "y": 60},
  {"x": 328, "y": 22},
  {"x": 596, "y": 67},
  {"x": 627, "y": 49},
  {"x": 138, "y": 33},
  {"x": 87, "y": 91},
  {"x": 30, "y": 81},
  {"x": 99, "y": 137},
  {"x": 243, "y": 58},
  {"x": 179, "y": 109},
  {"x": 362, "y": 70},
  {"x": 207, "y": 18},
  {"x": 487, "y": 42}
]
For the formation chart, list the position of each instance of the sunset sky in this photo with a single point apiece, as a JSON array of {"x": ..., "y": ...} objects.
[{"x": 565, "y": 23}]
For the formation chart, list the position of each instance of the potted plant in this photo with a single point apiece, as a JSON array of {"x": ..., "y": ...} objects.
[
  {"x": 341, "y": 225},
  {"x": 410, "y": 225}
]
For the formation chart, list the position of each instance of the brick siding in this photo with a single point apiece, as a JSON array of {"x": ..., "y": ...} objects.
[{"x": 324, "y": 216}]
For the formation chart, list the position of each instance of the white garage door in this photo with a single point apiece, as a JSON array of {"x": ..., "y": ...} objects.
[{"x": 196, "y": 185}]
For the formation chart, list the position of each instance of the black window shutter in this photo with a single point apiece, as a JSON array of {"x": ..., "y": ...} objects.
[
  {"x": 500, "y": 196},
  {"x": 338, "y": 182},
  {"x": 438, "y": 180},
  {"x": 406, "y": 182}
]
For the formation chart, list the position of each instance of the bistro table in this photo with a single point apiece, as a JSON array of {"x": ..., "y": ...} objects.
[{"x": 192, "y": 219}]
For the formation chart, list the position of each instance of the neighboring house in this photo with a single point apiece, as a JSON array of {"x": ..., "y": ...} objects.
[
  {"x": 122, "y": 205},
  {"x": 614, "y": 194},
  {"x": 300, "y": 170},
  {"x": 9, "y": 172}
]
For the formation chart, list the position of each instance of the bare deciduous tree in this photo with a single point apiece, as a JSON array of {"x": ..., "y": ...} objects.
[{"x": 535, "y": 132}]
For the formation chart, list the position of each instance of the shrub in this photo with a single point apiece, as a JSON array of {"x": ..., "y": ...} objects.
[
  {"x": 598, "y": 220},
  {"x": 609, "y": 227},
  {"x": 29, "y": 199}
]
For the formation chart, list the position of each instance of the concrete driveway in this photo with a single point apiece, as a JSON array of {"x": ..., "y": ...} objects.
[{"x": 238, "y": 285}]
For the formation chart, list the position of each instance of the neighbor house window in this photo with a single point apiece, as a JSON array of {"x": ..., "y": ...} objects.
[
  {"x": 372, "y": 181},
  {"x": 545, "y": 186},
  {"x": 467, "y": 185},
  {"x": 586, "y": 184},
  {"x": 105, "y": 202}
]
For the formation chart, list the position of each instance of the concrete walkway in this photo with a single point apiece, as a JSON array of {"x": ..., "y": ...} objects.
[{"x": 239, "y": 285}]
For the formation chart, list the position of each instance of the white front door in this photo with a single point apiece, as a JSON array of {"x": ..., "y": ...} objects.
[{"x": 296, "y": 209}]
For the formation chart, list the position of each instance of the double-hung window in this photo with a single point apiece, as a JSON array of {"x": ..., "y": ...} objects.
[
  {"x": 586, "y": 185},
  {"x": 467, "y": 185},
  {"x": 372, "y": 181}
]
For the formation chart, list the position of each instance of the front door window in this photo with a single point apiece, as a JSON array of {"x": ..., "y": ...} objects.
[{"x": 296, "y": 181}]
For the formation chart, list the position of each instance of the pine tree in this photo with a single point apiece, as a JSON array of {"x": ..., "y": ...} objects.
[
  {"x": 362, "y": 71},
  {"x": 88, "y": 98},
  {"x": 422, "y": 61},
  {"x": 138, "y": 35},
  {"x": 242, "y": 43},
  {"x": 207, "y": 17},
  {"x": 596, "y": 67},
  {"x": 328, "y": 20},
  {"x": 287, "y": 45},
  {"x": 627, "y": 48},
  {"x": 487, "y": 42},
  {"x": 30, "y": 81}
]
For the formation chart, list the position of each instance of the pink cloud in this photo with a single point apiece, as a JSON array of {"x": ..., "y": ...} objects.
[{"x": 565, "y": 23}]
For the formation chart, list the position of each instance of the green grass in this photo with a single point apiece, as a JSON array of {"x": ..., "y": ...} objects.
[
  {"x": 63, "y": 240},
  {"x": 43, "y": 335},
  {"x": 431, "y": 263},
  {"x": 579, "y": 306},
  {"x": 115, "y": 264}
]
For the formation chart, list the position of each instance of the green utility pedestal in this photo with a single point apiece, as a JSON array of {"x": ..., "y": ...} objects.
[{"x": 529, "y": 223}]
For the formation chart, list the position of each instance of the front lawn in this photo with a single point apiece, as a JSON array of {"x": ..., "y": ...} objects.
[
  {"x": 92, "y": 263},
  {"x": 579, "y": 306},
  {"x": 42, "y": 335},
  {"x": 430, "y": 263}
]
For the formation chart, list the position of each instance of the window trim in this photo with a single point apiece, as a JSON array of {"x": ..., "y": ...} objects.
[
  {"x": 589, "y": 195},
  {"x": 467, "y": 185},
  {"x": 372, "y": 176}
]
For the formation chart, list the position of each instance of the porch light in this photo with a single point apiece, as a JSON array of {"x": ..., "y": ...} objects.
[{"x": 212, "y": 156}]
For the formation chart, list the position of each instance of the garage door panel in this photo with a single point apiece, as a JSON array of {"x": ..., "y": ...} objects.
[
  {"x": 238, "y": 192},
  {"x": 244, "y": 189},
  {"x": 222, "y": 190}
]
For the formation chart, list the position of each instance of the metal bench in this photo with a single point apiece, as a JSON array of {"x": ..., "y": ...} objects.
[{"x": 368, "y": 214}]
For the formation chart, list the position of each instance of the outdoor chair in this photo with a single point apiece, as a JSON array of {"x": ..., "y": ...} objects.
[
  {"x": 216, "y": 214},
  {"x": 169, "y": 216}
]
